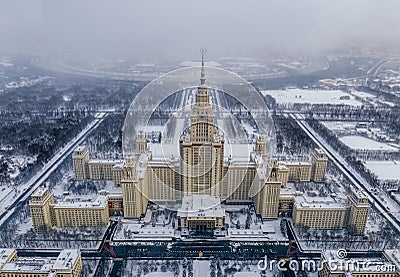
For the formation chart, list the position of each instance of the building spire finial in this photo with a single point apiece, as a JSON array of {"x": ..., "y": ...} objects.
[{"x": 203, "y": 74}]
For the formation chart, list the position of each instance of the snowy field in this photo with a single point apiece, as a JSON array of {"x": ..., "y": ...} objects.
[
  {"x": 340, "y": 126},
  {"x": 305, "y": 96},
  {"x": 363, "y": 95},
  {"x": 363, "y": 143},
  {"x": 385, "y": 170}
]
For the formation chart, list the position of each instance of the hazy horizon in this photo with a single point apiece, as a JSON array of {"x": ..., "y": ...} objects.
[{"x": 177, "y": 28}]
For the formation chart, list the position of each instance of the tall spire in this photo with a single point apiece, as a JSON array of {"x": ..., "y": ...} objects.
[{"x": 203, "y": 74}]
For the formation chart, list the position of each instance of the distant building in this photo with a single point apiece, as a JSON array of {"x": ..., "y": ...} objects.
[
  {"x": 95, "y": 169},
  {"x": 80, "y": 159},
  {"x": 67, "y": 264},
  {"x": 319, "y": 162}
]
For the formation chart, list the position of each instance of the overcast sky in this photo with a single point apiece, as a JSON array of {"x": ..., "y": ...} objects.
[{"x": 172, "y": 28}]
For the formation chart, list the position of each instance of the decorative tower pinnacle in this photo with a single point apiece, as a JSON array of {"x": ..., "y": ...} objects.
[{"x": 203, "y": 74}]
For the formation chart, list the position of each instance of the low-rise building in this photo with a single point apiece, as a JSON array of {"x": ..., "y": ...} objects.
[
  {"x": 78, "y": 213},
  {"x": 67, "y": 264},
  {"x": 201, "y": 212},
  {"x": 325, "y": 214},
  {"x": 73, "y": 212},
  {"x": 329, "y": 213}
]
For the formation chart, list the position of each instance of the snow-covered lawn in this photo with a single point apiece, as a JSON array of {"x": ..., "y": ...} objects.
[
  {"x": 363, "y": 143},
  {"x": 305, "y": 96},
  {"x": 385, "y": 170}
]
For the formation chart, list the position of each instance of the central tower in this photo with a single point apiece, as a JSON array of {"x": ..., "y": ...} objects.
[
  {"x": 202, "y": 127},
  {"x": 202, "y": 147}
]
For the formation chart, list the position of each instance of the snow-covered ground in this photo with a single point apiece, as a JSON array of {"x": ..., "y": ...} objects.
[
  {"x": 340, "y": 126},
  {"x": 385, "y": 170},
  {"x": 305, "y": 96},
  {"x": 363, "y": 143}
]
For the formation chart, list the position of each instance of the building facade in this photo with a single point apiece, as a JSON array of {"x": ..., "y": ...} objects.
[
  {"x": 82, "y": 213},
  {"x": 331, "y": 214},
  {"x": 80, "y": 159},
  {"x": 359, "y": 209},
  {"x": 201, "y": 169},
  {"x": 319, "y": 162},
  {"x": 74, "y": 213},
  {"x": 40, "y": 208}
]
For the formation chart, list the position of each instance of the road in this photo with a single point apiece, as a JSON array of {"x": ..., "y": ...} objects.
[
  {"x": 357, "y": 181},
  {"x": 29, "y": 187},
  {"x": 374, "y": 70}
]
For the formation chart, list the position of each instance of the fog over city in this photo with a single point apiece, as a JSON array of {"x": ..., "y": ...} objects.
[{"x": 176, "y": 29}]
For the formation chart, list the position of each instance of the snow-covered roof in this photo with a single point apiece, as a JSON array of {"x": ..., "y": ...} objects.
[
  {"x": 267, "y": 229},
  {"x": 39, "y": 192},
  {"x": 80, "y": 148},
  {"x": 99, "y": 202},
  {"x": 36, "y": 265},
  {"x": 201, "y": 206},
  {"x": 118, "y": 166},
  {"x": 297, "y": 163},
  {"x": 319, "y": 151},
  {"x": 66, "y": 259},
  {"x": 100, "y": 161},
  {"x": 303, "y": 202},
  {"x": 360, "y": 194}
]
